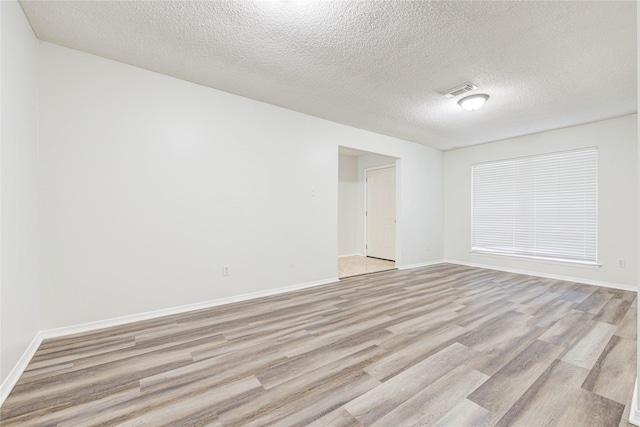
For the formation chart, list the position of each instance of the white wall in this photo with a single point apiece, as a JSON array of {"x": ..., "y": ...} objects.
[
  {"x": 634, "y": 414},
  {"x": 19, "y": 188},
  {"x": 150, "y": 184},
  {"x": 616, "y": 140},
  {"x": 347, "y": 205}
]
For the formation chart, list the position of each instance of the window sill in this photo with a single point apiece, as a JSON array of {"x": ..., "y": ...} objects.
[{"x": 579, "y": 264}]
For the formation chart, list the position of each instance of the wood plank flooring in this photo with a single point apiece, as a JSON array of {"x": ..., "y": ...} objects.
[{"x": 443, "y": 345}]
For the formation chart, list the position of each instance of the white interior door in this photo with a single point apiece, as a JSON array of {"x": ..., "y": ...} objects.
[{"x": 381, "y": 213}]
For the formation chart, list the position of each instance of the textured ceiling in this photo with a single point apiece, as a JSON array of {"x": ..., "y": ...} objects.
[{"x": 378, "y": 65}]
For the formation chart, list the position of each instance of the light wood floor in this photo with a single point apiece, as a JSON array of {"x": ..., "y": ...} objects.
[{"x": 437, "y": 346}]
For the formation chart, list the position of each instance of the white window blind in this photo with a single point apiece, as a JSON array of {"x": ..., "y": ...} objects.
[{"x": 543, "y": 206}]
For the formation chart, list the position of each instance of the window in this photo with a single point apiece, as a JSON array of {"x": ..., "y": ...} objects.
[{"x": 543, "y": 206}]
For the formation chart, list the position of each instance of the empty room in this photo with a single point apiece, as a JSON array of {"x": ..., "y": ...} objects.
[{"x": 323, "y": 213}]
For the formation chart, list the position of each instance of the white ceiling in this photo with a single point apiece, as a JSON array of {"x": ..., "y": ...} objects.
[{"x": 378, "y": 65}]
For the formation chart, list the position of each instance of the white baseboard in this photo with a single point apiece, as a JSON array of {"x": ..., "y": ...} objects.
[
  {"x": 344, "y": 256},
  {"x": 18, "y": 369},
  {"x": 107, "y": 323},
  {"x": 421, "y": 264},
  {"x": 634, "y": 413},
  {"x": 547, "y": 276}
]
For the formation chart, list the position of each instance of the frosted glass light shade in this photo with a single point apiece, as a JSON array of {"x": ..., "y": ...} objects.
[{"x": 473, "y": 102}]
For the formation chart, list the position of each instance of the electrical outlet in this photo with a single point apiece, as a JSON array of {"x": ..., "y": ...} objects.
[
  {"x": 225, "y": 270},
  {"x": 621, "y": 262}
]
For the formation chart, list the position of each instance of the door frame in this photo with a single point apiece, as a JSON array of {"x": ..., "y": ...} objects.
[{"x": 364, "y": 213}]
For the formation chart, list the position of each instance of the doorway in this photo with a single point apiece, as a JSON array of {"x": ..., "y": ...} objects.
[
  {"x": 380, "y": 213},
  {"x": 366, "y": 246}
]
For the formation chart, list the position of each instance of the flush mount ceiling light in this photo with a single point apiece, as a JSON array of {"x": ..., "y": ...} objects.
[{"x": 473, "y": 102}]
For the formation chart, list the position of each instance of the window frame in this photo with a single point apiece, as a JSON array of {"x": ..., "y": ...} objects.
[{"x": 535, "y": 164}]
